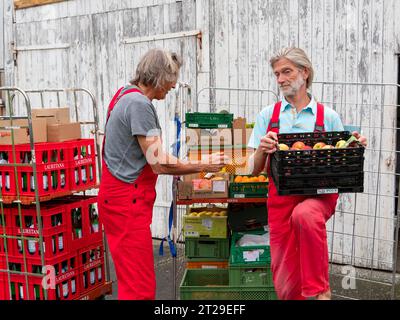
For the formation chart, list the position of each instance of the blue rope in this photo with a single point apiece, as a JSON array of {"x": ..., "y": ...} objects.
[{"x": 176, "y": 149}]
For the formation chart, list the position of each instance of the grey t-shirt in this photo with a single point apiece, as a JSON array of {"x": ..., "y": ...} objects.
[{"x": 133, "y": 115}]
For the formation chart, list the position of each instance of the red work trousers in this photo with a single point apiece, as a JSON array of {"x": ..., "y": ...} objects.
[
  {"x": 126, "y": 212},
  {"x": 299, "y": 249}
]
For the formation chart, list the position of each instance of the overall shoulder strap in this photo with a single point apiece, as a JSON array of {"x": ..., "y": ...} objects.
[
  {"x": 319, "y": 123},
  {"x": 120, "y": 93},
  {"x": 274, "y": 122}
]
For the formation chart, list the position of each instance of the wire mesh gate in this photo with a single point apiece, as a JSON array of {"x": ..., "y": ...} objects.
[
  {"x": 14, "y": 104},
  {"x": 363, "y": 234}
]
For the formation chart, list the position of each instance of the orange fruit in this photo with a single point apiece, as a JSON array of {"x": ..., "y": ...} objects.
[
  {"x": 261, "y": 179},
  {"x": 245, "y": 180},
  {"x": 238, "y": 179},
  {"x": 254, "y": 179}
]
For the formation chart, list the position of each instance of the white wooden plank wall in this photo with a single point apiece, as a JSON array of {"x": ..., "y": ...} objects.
[
  {"x": 2, "y": 12},
  {"x": 347, "y": 40}
]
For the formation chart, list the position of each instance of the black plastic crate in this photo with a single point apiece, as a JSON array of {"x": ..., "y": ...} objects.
[
  {"x": 247, "y": 216},
  {"x": 318, "y": 171}
]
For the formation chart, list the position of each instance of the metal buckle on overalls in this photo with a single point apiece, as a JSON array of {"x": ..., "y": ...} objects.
[
  {"x": 274, "y": 125},
  {"x": 319, "y": 128}
]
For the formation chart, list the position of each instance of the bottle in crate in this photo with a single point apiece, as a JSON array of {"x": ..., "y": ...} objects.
[
  {"x": 7, "y": 181},
  {"x": 77, "y": 223},
  {"x": 99, "y": 273},
  {"x": 94, "y": 218},
  {"x": 3, "y": 158},
  {"x": 56, "y": 220},
  {"x": 85, "y": 284},
  {"x": 76, "y": 171},
  {"x": 91, "y": 173},
  {"x": 62, "y": 178},
  {"x": 83, "y": 168},
  {"x": 36, "y": 292}
]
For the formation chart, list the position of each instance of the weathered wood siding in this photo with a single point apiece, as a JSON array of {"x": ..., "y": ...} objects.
[
  {"x": 2, "y": 35},
  {"x": 347, "y": 40}
]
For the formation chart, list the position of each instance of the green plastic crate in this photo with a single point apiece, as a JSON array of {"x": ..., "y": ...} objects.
[
  {"x": 209, "y": 120},
  {"x": 213, "y": 284},
  {"x": 239, "y": 254},
  {"x": 250, "y": 277},
  {"x": 248, "y": 189},
  {"x": 209, "y": 249}
]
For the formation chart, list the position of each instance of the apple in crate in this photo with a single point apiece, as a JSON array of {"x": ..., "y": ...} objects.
[
  {"x": 319, "y": 145},
  {"x": 299, "y": 145},
  {"x": 341, "y": 144},
  {"x": 283, "y": 147}
]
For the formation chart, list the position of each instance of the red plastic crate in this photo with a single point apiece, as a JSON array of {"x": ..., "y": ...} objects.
[
  {"x": 84, "y": 230},
  {"x": 64, "y": 285},
  {"x": 55, "y": 231},
  {"x": 91, "y": 267},
  {"x": 51, "y": 164},
  {"x": 5, "y": 230},
  {"x": 52, "y": 169},
  {"x": 82, "y": 163}
]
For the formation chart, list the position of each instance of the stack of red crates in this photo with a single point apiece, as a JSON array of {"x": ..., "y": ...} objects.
[
  {"x": 72, "y": 241},
  {"x": 62, "y": 169}
]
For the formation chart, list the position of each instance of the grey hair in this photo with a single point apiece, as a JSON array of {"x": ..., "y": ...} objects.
[
  {"x": 156, "y": 68},
  {"x": 298, "y": 57}
]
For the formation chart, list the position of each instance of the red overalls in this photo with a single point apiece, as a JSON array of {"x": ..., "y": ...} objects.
[
  {"x": 297, "y": 224},
  {"x": 126, "y": 211}
]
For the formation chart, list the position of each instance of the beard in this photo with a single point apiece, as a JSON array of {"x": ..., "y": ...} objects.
[{"x": 293, "y": 88}]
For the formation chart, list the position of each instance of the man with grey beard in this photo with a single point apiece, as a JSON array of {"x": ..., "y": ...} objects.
[{"x": 297, "y": 224}]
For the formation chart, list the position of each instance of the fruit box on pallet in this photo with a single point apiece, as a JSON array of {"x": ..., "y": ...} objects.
[
  {"x": 321, "y": 168},
  {"x": 197, "y": 187},
  {"x": 208, "y": 222}
]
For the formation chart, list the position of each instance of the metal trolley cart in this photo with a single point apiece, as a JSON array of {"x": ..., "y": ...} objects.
[
  {"x": 207, "y": 100},
  {"x": 45, "y": 254}
]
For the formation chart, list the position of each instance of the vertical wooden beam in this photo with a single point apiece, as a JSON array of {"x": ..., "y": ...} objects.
[{"x": 9, "y": 40}]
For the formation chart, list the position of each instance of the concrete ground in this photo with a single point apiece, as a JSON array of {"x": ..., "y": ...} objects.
[{"x": 369, "y": 285}]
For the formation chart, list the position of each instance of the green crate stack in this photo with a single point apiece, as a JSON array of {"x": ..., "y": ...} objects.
[
  {"x": 207, "y": 251},
  {"x": 250, "y": 273}
]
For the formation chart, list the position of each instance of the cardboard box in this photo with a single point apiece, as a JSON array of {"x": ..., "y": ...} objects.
[
  {"x": 215, "y": 137},
  {"x": 241, "y": 134},
  {"x": 185, "y": 190},
  {"x": 52, "y": 115},
  {"x": 221, "y": 186},
  {"x": 239, "y": 123},
  {"x": 63, "y": 132},
  {"x": 21, "y": 135},
  {"x": 238, "y": 158},
  {"x": 219, "y": 189},
  {"x": 209, "y": 137}
]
